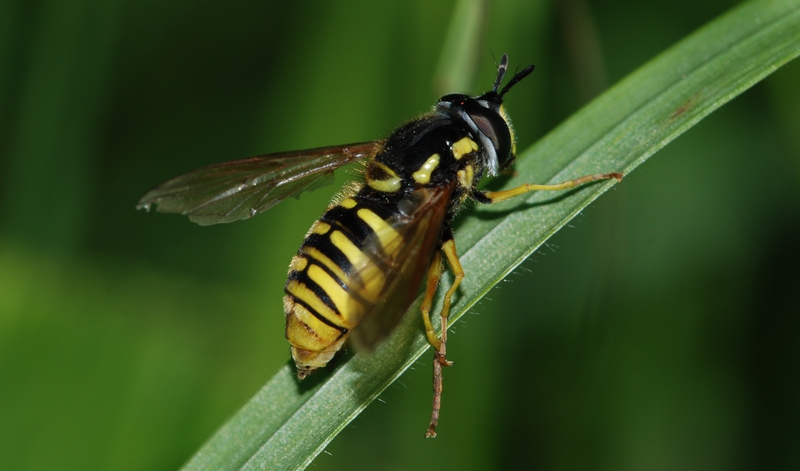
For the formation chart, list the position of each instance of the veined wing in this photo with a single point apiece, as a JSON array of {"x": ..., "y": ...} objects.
[
  {"x": 402, "y": 255},
  {"x": 240, "y": 189}
]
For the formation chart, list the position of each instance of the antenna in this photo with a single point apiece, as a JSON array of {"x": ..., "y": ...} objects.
[
  {"x": 519, "y": 76},
  {"x": 501, "y": 72}
]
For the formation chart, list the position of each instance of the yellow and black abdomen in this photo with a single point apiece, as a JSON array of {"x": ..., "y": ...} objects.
[
  {"x": 336, "y": 277},
  {"x": 340, "y": 273}
]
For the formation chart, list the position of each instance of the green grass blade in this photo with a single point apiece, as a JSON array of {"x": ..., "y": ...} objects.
[
  {"x": 458, "y": 61},
  {"x": 285, "y": 425}
]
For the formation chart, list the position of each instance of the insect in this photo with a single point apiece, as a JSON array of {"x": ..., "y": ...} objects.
[{"x": 363, "y": 262}]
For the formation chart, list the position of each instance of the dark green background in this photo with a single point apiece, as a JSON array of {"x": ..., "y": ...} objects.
[{"x": 661, "y": 330}]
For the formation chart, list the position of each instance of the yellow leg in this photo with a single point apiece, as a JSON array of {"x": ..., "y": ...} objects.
[
  {"x": 434, "y": 273},
  {"x": 449, "y": 249},
  {"x": 440, "y": 352},
  {"x": 498, "y": 196}
]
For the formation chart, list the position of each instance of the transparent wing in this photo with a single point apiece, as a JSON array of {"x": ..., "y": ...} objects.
[
  {"x": 404, "y": 263},
  {"x": 241, "y": 189}
]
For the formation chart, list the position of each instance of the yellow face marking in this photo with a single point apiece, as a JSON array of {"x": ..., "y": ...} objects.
[
  {"x": 320, "y": 228},
  {"x": 389, "y": 184},
  {"x": 302, "y": 293},
  {"x": 349, "y": 308},
  {"x": 463, "y": 147},
  {"x": 371, "y": 276},
  {"x": 298, "y": 263},
  {"x": 348, "y": 203},
  {"x": 325, "y": 261},
  {"x": 423, "y": 175},
  {"x": 389, "y": 238}
]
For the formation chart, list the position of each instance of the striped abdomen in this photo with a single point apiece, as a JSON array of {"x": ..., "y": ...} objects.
[{"x": 336, "y": 278}]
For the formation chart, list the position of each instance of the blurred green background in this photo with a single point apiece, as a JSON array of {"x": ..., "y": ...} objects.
[{"x": 661, "y": 330}]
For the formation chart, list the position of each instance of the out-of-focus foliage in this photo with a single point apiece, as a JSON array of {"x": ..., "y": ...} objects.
[{"x": 660, "y": 332}]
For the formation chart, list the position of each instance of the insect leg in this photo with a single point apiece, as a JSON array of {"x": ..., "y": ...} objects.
[
  {"x": 449, "y": 249},
  {"x": 498, "y": 196},
  {"x": 434, "y": 273},
  {"x": 437, "y": 395},
  {"x": 440, "y": 352}
]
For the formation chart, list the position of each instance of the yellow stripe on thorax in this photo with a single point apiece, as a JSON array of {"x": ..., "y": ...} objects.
[
  {"x": 423, "y": 175},
  {"x": 389, "y": 184},
  {"x": 465, "y": 176},
  {"x": 463, "y": 147}
]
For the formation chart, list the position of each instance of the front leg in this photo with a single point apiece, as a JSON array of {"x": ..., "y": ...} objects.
[{"x": 498, "y": 196}]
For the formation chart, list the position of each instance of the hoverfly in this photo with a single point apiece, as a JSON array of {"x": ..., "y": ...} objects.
[{"x": 363, "y": 262}]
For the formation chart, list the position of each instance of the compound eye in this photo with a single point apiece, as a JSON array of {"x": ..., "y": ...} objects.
[{"x": 486, "y": 128}]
